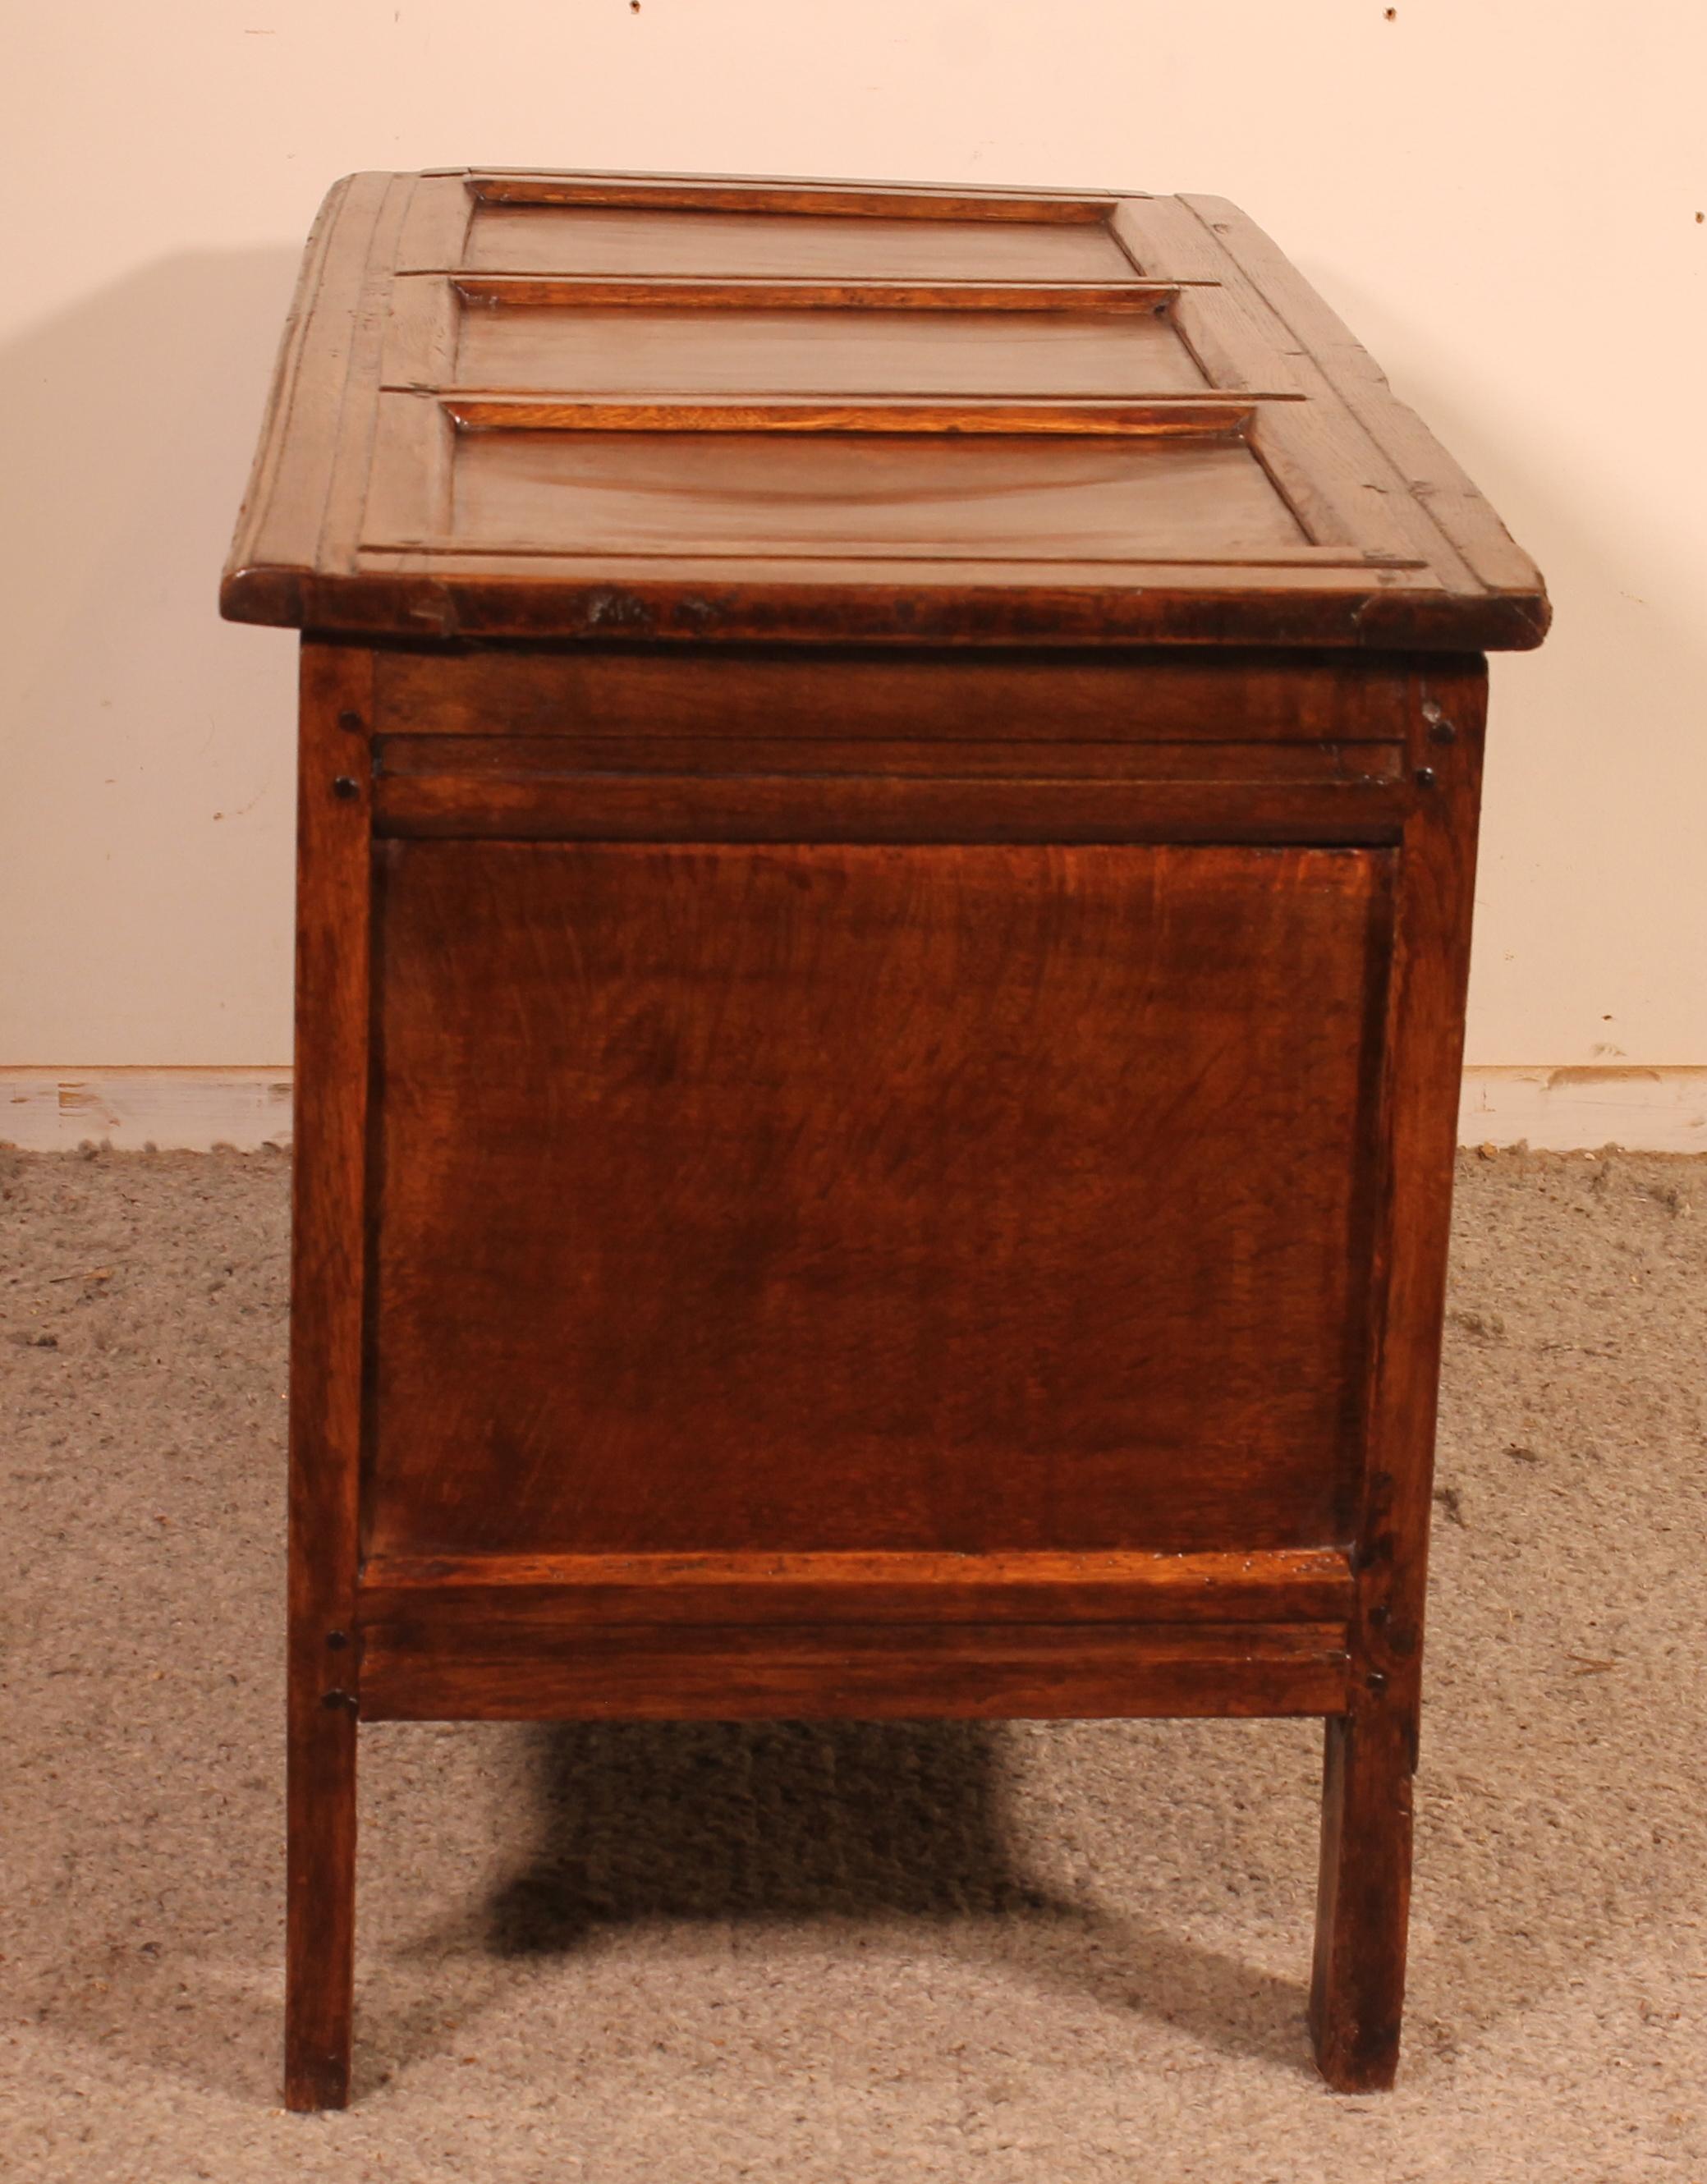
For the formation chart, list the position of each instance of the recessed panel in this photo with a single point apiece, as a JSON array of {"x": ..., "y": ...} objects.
[
  {"x": 838, "y": 1196},
  {"x": 585, "y": 239},
  {"x": 566, "y": 349},
  {"x": 854, "y": 494}
]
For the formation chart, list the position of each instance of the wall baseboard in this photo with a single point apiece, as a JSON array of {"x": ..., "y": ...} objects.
[
  {"x": 45, "y": 1110},
  {"x": 1662, "y": 1110},
  {"x": 1649, "y": 1110}
]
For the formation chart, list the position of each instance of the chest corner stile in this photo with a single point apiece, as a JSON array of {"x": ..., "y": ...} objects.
[{"x": 888, "y": 807}]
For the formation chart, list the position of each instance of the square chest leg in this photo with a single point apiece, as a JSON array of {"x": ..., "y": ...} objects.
[
  {"x": 1358, "y": 1978},
  {"x": 821, "y": 1224}
]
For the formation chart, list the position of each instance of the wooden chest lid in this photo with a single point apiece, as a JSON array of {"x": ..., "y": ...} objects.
[{"x": 531, "y": 405}]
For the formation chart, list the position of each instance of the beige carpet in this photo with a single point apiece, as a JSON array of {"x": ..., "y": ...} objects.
[{"x": 1047, "y": 1953}]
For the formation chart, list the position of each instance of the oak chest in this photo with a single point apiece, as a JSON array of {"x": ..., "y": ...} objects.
[{"x": 887, "y": 802}]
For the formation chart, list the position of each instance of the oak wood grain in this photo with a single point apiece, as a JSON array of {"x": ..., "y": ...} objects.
[
  {"x": 1433, "y": 476},
  {"x": 766, "y": 239},
  {"x": 865, "y": 1248},
  {"x": 1194, "y": 414},
  {"x": 502, "y": 1672},
  {"x": 328, "y": 1273},
  {"x": 888, "y": 201},
  {"x": 760, "y": 490},
  {"x": 283, "y": 507},
  {"x": 670, "y": 292},
  {"x": 655, "y": 806},
  {"x": 1299, "y": 1585},
  {"x": 1357, "y": 1993},
  {"x": 979, "y": 695},
  {"x": 572, "y": 757},
  {"x": 806, "y": 343}
]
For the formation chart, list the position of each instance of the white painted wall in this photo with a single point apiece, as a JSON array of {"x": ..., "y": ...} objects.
[{"x": 1500, "y": 195}]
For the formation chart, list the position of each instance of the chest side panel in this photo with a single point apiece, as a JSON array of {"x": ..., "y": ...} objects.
[{"x": 821, "y": 1196}]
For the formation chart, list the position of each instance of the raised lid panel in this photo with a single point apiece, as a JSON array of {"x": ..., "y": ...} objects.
[
  {"x": 1018, "y": 485},
  {"x": 566, "y": 347},
  {"x": 739, "y": 1197},
  {"x": 577, "y": 239},
  {"x": 736, "y": 493}
]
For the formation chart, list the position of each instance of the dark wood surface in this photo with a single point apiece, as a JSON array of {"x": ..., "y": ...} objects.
[
  {"x": 1306, "y": 1585},
  {"x": 1357, "y": 1992},
  {"x": 868, "y": 1141},
  {"x": 834, "y": 1173},
  {"x": 755, "y": 1633},
  {"x": 1038, "y": 1671},
  {"x": 328, "y": 1273},
  {"x": 536, "y": 405},
  {"x": 1126, "y": 700}
]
